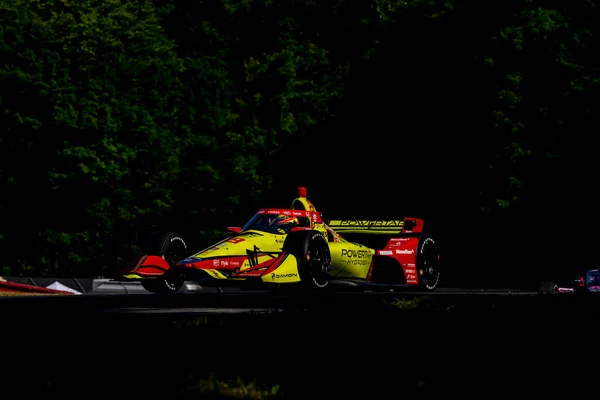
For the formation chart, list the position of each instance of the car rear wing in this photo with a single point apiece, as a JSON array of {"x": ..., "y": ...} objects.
[{"x": 384, "y": 227}]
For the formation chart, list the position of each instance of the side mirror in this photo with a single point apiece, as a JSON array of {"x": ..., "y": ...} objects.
[{"x": 232, "y": 230}]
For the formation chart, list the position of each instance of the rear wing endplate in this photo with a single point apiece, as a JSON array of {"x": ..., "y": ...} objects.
[{"x": 384, "y": 227}]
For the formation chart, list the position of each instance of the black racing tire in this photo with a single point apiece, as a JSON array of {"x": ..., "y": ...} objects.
[
  {"x": 547, "y": 287},
  {"x": 314, "y": 258},
  {"x": 173, "y": 248},
  {"x": 428, "y": 262}
]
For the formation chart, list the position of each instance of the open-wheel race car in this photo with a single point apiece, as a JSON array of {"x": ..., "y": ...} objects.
[
  {"x": 590, "y": 283},
  {"x": 295, "y": 246}
]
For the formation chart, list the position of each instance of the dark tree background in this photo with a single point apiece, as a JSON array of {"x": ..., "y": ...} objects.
[{"x": 120, "y": 116}]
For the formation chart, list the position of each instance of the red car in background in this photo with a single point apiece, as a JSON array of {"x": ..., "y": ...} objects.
[{"x": 590, "y": 283}]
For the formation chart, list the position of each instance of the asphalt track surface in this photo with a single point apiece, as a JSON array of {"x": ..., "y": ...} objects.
[
  {"x": 226, "y": 301},
  {"x": 120, "y": 343}
]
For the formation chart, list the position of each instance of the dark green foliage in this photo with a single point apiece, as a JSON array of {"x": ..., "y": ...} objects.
[
  {"x": 110, "y": 126},
  {"x": 119, "y": 116}
]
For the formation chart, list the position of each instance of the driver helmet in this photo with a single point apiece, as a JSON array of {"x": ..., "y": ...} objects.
[{"x": 285, "y": 222}]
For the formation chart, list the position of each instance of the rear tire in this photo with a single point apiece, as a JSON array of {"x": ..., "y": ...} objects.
[
  {"x": 173, "y": 248},
  {"x": 428, "y": 263},
  {"x": 314, "y": 258}
]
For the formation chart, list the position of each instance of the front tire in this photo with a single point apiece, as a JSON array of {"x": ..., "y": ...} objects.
[
  {"x": 314, "y": 258},
  {"x": 164, "y": 284},
  {"x": 172, "y": 247}
]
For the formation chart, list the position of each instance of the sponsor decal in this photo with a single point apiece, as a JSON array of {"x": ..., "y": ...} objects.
[
  {"x": 398, "y": 242},
  {"x": 235, "y": 263},
  {"x": 356, "y": 257},
  {"x": 250, "y": 273},
  {"x": 386, "y": 252},
  {"x": 411, "y": 277},
  {"x": 300, "y": 213},
  {"x": 370, "y": 223},
  {"x": 215, "y": 263},
  {"x": 280, "y": 276},
  {"x": 357, "y": 262},
  {"x": 355, "y": 253},
  {"x": 410, "y": 271},
  {"x": 225, "y": 263},
  {"x": 411, "y": 251}
]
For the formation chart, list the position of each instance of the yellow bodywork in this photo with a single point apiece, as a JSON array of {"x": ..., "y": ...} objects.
[
  {"x": 132, "y": 276},
  {"x": 348, "y": 259},
  {"x": 287, "y": 272},
  {"x": 269, "y": 244},
  {"x": 255, "y": 251},
  {"x": 238, "y": 245},
  {"x": 386, "y": 227},
  {"x": 215, "y": 273},
  {"x": 259, "y": 260},
  {"x": 302, "y": 203}
]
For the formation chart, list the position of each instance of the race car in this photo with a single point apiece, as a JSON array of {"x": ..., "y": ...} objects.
[
  {"x": 590, "y": 283},
  {"x": 296, "y": 246}
]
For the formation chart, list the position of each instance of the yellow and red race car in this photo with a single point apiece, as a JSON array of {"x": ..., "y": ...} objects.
[{"x": 295, "y": 246}]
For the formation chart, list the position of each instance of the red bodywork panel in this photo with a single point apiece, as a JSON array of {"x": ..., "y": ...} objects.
[
  {"x": 413, "y": 225},
  {"x": 156, "y": 266},
  {"x": 313, "y": 215},
  {"x": 370, "y": 272},
  {"x": 221, "y": 263},
  {"x": 149, "y": 266},
  {"x": 233, "y": 264},
  {"x": 13, "y": 287},
  {"x": 404, "y": 249}
]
